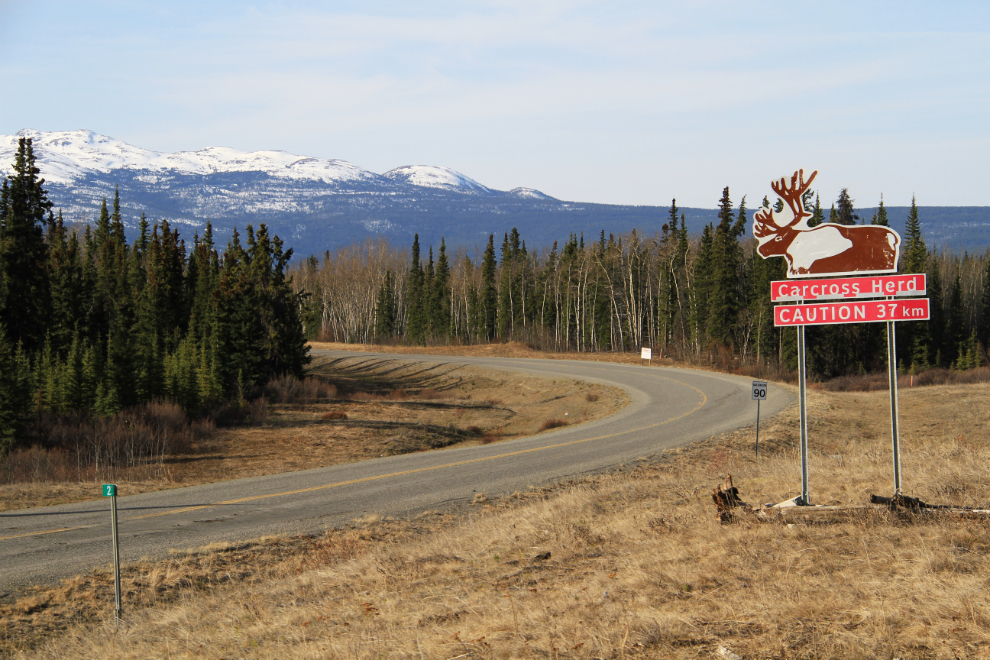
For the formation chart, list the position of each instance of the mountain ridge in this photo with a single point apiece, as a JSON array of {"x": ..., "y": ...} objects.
[{"x": 319, "y": 204}]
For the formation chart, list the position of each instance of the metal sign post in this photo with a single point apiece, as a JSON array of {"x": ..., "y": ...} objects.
[
  {"x": 803, "y": 396},
  {"x": 110, "y": 490},
  {"x": 892, "y": 377},
  {"x": 759, "y": 394}
]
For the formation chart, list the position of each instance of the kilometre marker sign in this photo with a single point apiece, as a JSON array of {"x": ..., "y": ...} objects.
[{"x": 874, "y": 311}]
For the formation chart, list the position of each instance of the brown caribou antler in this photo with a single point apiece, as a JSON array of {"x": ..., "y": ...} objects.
[
  {"x": 792, "y": 195},
  {"x": 763, "y": 224}
]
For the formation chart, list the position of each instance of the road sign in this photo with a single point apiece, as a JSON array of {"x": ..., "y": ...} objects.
[
  {"x": 759, "y": 390},
  {"x": 825, "y": 249},
  {"x": 759, "y": 394},
  {"x": 646, "y": 354},
  {"x": 844, "y": 288},
  {"x": 874, "y": 311},
  {"x": 109, "y": 490}
]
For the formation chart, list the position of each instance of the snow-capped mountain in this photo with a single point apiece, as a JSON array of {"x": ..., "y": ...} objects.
[
  {"x": 68, "y": 155},
  {"x": 315, "y": 204}
]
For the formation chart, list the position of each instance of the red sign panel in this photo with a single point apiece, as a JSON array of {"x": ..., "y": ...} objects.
[
  {"x": 849, "y": 287},
  {"x": 872, "y": 311}
]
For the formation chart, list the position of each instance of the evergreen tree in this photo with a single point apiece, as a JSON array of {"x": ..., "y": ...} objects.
[
  {"x": 955, "y": 329},
  {"x": 913, "y": 337},
  {"x": 914, "y": 253},
  {"x": 880, "y": 217},
  {"x": 64, "y": 274},
  {"x": 723, "y": 293},
  {"x": 24, "y": 294},
  {"x": 440, "y": 307},
  {"x": 817, "y": 214},
  {"x": 15, "y": 392},
  {"x": 505, "y": 291},
  {"x": 385, "y": 311},
  {"x": 488, "y": 300},
  {"x": 283, "y": 342},
  {"x": 428, "y": 295},
  {"x": 668, "y": 300},
  {"x": 702, "y": 287},
  {"x": 930, "y": 337},
  {"x": 845, "y": 213},
  {"x": 416, "y": 321}
]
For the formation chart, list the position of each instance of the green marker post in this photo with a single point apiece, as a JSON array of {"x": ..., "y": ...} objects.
[{"x": 110, "y": 490}]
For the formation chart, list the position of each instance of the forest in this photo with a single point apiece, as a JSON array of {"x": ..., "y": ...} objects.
[
  {"x": 97, "y": 330},
  {"x": 703, "y": 299},
  {"x": 93, "y": 327}
]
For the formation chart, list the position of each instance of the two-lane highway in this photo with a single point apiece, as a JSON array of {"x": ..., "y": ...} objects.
[{"x": 669, "y": 407}]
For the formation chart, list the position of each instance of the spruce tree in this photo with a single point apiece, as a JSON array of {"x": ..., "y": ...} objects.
[
  {"x": 723, "y": 292},
  {"x": 955, "y": 328},
  {"x": 385, "y": 311},
  {"x": 702, "y": 287},
  {"x": 845, "y": 214},
  {"x": 880, "y": 217},
  {"x": 914, "y": 253},
  {"x": 24, "y": 294},
  {"x": 283, "y": 341},
  {"x": 416, "y": 317},
  {"x": 442, "y": 296},
  {"x": 488, "y": 300},
  {"x": 14, "y": 405},
  {"x": 64, "y": 274},
  {"x": 817, "y": 214},
  {"x": 505, "y": 325}
]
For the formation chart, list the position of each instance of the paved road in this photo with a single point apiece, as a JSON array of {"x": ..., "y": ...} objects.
[{"x": 669, "y": 407}]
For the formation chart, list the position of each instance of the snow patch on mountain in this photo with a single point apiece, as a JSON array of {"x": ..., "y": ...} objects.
[
  {"x": 435, "y": 176},
  {"x": 529, "y": 193}
]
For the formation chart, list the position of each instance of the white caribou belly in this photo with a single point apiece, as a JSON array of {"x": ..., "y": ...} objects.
[{"x": 818, "y": 243}]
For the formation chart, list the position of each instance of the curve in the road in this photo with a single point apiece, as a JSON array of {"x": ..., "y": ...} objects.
[{"x": 669, "y": 407}]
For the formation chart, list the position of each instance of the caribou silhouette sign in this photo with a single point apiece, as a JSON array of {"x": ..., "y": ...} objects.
[{"x": 827, "y": 249}]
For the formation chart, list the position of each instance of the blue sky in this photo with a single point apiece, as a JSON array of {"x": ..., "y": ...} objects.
[{"x": 631, "y": 103}]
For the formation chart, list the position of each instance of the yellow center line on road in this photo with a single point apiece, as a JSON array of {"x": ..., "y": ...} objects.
[{"x": 252, "y": 498}]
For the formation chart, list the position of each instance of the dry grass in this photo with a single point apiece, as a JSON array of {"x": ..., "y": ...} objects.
[
  {"x": 629, "y": 564},
  {"x": 554, "y": 423},
  {"x": 348, "y": 410}
]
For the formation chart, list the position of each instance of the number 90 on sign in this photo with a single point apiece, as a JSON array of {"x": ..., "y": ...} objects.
[{"x": 759, "y": 390}]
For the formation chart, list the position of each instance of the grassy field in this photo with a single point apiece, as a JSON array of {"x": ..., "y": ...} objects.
[{"x": 624, "y": 565}]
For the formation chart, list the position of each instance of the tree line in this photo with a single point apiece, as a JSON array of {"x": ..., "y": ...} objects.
[
  {"x": 704, "y": 298},
  {"x": 91, "y": 324}
]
